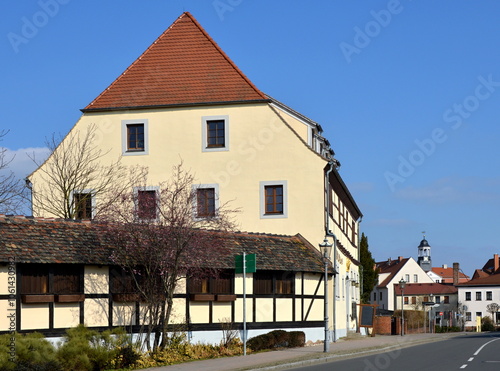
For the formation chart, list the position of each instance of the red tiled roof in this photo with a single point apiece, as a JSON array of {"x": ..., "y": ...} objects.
[
  {"x": 184, "y": 66},
  {"x": 425, "y": 288},
  {"x": 490, "y": 280},
  {"x": 390, "y": 266},
  {"x": 447, "y": 272}
]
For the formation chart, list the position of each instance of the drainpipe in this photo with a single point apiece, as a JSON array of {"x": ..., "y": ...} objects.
[
  {"x": 329, "y": 233},
  {"x": 29, "y": 185}
]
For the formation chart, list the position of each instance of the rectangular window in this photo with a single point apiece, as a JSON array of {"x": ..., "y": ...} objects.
[
  {"x": 478, "y": 295},
  {"x": 51, "y": 279},
  {"x": 135, "y": 137},
  {"x": 67, "y": 279},
  {"x": 479, "y": 314},
  {"x": 446, "y": 300},
  {"x": 83, "y": 205},
  {"x": 147, "y": 204},
  {"x": 415, "y": 278},
  {"x": 380, "y": 296},
  {"x": 374, "y": 296},
  {"x": 220, "y": 284},
  {"x": 205, "y": 200},
  {"x": 414, "y": 300},
  {"x": 406, "y": 300},
  {"x": 215, "y": 130},
  {"x": 468, "y": 316},
  {"x": 467, "y": 295},
  {"x": 215, "y": 133},
  {"x": 274, "y": 199},
  {"x": 489, "y": 295},
  {"x": 438, "y": 299},
  {"x": 121, "y": 281},
  {"x": 426, "y": 299},
  {"x": 267, "y": 283},
  {"x": 407, "y": 278},
  {"x": 35, "y": 279}
]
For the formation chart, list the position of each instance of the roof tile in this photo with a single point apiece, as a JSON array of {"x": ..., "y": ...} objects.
[{"x": 183, "y": 66}]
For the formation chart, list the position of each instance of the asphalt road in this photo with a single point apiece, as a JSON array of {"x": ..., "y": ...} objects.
[{"x": 468, "y": 352}]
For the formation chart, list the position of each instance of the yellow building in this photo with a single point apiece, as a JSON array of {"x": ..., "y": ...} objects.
[{"x": 184, "y": 99}]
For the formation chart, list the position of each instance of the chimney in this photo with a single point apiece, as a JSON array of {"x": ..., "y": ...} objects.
[
  {"x": 456, "y": 268},
  {"x": 495, "y": 262},
  {"x": 400, "y": 258},
  {"x": 445, "y": 266}
]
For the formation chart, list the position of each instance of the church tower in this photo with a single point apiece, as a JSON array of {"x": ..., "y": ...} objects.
[{"x": 424, "y": 255}]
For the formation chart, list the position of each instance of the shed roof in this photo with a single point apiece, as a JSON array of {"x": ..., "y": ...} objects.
[{"x": 39, "y": 240}]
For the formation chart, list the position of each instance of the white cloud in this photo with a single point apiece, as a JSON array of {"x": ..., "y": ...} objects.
[
  {"x": 22, "y": 165},
  {"x": 454, "y": 190}
]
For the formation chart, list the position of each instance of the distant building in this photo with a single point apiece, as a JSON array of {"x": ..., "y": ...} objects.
[
  {"x": 424, "y": 255},
  {"x": 483, "y": 289},
  {"x": 390, "y": 273},
  {"x": 448, "y": 275},
  {"x": 445, "y": 297}
]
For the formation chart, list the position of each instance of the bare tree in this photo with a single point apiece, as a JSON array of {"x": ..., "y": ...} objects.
[
  {"x": 74, "y": 176},
  {"x": 11, "y": 188},
  {"x": 160, "y": 240},
  {"x": 493, "y": 309}
]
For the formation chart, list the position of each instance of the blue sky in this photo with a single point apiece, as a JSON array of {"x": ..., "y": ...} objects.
[{"x": 407, "y": 92}]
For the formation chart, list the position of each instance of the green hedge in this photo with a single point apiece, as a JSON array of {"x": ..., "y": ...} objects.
[{"x": 277, "y": 339}]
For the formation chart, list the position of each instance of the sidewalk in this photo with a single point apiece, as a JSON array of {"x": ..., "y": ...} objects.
[{"x": 297, "y": 357}]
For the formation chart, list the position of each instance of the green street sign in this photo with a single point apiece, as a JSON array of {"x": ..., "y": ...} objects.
[{"x": 250, "y": 266}]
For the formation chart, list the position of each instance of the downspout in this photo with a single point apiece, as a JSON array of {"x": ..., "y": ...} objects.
[
  {"x": 329, "y": 233},
  {"x": 29, "y": 185}
]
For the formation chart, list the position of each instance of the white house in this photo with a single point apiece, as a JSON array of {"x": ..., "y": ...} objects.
[{"x": 390, "y": 273}]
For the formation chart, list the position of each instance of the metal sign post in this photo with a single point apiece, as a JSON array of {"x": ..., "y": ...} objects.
[{"x": 245, "y": 263}]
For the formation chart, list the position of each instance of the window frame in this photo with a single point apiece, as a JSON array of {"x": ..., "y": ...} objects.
[
  {"x": 134, "y": 152},
  {"x": 468, "y": 296},
  {"x": 262, "y": 186},
  {"x": 489, "y": 295},
  {"x": 278, "y": 283},
  {"x": 137, "y": 190},
  {"x": 92, "y": 202},
  {"x": 52, "y": 279},
  {"x": 479, "y": 296},
  {"x": 213, "y": 284},
  {"x": 195, "y": 189},
  {"x": 205, "y": 147}
]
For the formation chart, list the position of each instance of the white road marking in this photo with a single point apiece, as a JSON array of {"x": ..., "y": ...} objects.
[
  {"x": 470, "y": 359},
  {"x": 463, "y": 366},
  {"x": 481, "y": 348}
]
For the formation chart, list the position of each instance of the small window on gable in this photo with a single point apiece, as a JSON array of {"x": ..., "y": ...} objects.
[
  {"x": 215, "y": 134},
  {"x": 82, "y": 205},
  {"x": 134, "y": 137}
]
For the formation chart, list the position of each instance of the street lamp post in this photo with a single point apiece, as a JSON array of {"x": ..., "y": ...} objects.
[
  {"x": 430, "y": 314},
  {"x": 402, "y": 285},
  {"x": 326, "y": 249}
]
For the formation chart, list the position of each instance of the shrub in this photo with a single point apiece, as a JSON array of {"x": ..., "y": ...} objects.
[
  {"x": 86, "y": 349},
  {"x": 33, "y": 352},
  {"x": 487, "y": 324},
  {"x": 277, "y": 339},
  {"x": 441, "y": 329}
]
